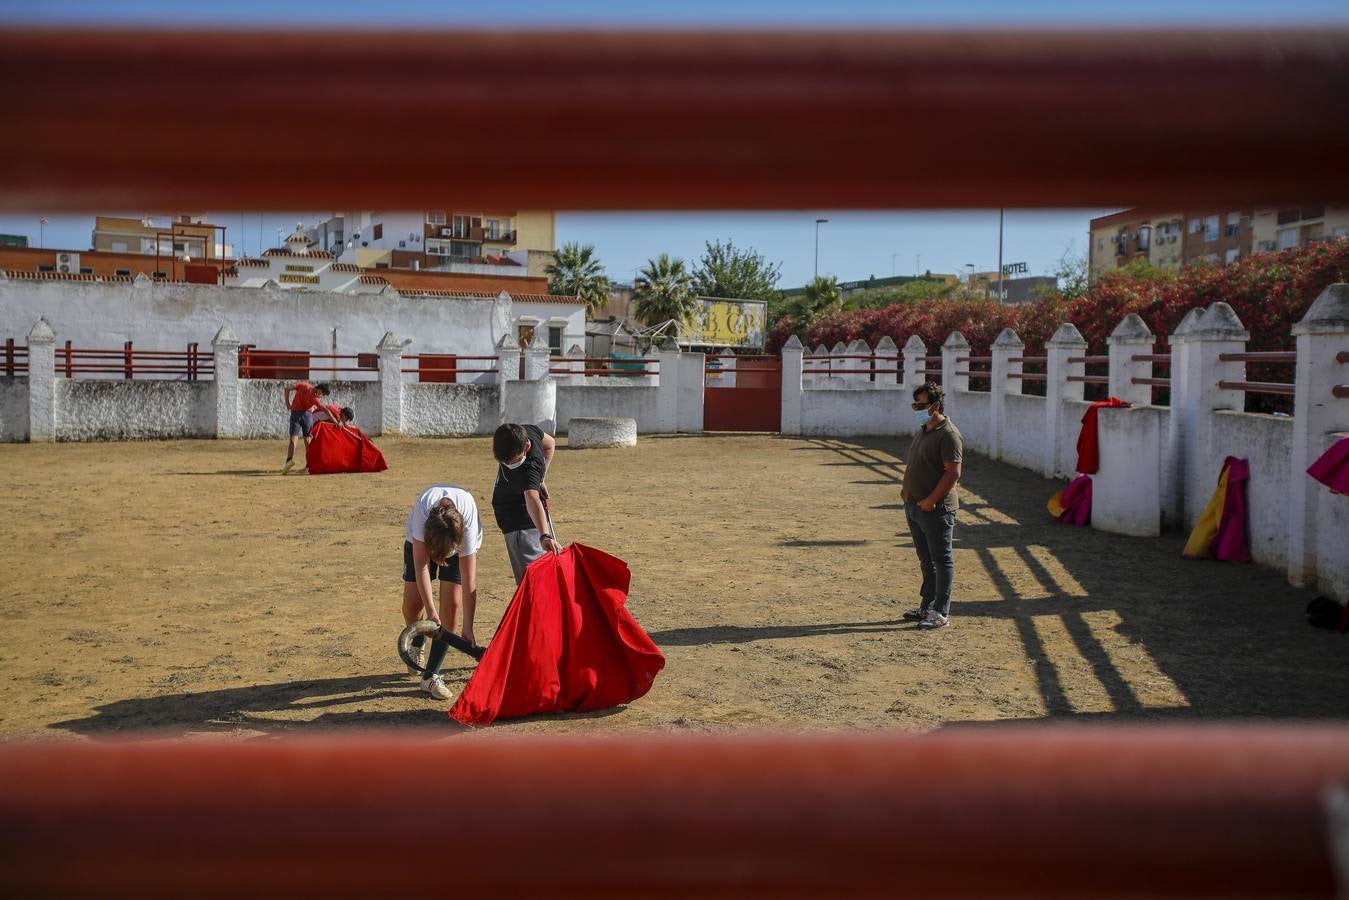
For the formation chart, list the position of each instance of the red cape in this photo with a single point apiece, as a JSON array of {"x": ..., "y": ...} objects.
[
  {"x": 1088, "y": 448},
  {"x": 332, "y": 449},
  {"x": 566, "y": 643}
]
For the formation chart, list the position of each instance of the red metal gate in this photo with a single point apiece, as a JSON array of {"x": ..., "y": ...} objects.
[{"x": 742, "y": 393}]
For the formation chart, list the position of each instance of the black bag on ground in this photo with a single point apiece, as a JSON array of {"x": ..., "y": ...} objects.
[{"x": 1322, "y": 612}]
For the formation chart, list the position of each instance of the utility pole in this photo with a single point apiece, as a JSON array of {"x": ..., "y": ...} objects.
[
  {"x": 1001, "y": 295},
  {"x": 818, "y": 223}
]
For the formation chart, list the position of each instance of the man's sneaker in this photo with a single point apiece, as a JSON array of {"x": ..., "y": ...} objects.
[
  {"x": 290, "y": 464},
  {"x": 914, "y": 615},
  {"x": 435, "y": 686},
  {"x": 419, "y": 656},
  {"x": 934, "y": 620}
]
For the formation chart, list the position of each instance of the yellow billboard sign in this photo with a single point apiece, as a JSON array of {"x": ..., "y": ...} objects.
[{"x": 726, "y": 323}]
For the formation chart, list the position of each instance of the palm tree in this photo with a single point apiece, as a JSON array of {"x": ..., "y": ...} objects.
[
  {"x": 576, "y": 272},
  {"x": 663, "y": 291},
  {"x": 820, "y": 293}
]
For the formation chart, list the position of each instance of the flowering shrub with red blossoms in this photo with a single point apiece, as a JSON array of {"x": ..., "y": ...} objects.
[{"x": 1270, "y": 292}]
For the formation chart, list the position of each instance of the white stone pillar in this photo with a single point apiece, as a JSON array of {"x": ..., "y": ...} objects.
[
  {"x": 1061, "y": 453},
  {"x": 857, "y": 379},
  {"x": 225, "y": 351},
  {"x": 792, "y": 352},
  {"x": 692, "y": 382},
  {"x": 537, "y": 356},
  {"x": 390, "y": 350},
  {"x": 821, "y": 378},
  {"x": 1317, "y": 416},
  {"x": 667, "y": 386},
  {"x": 508, "y": 359},
  {"x": 954, "y": 347},
  {"x": 575, "y": 365},
  {"x": 1131, "y": 337},
  {"x": 1175, "y": 461},
  {"x": 41, "y": 383},
  {"x": 887, "y": 357},
  {"x": 1007, "y": 346},
  {"x": 1215, "y": 331},
  {"x": 915, "y": 362}
]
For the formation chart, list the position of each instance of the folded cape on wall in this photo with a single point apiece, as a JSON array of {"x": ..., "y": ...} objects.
[
  {"x": 566, "y": 643},
  {"x": 1220, "y": 532},
  {"x": 1332, "y": 469},
  {"x": 332, "y": 450},
  {"x": 1088, "y": 447},
  {"x": 1072, "y": 505}
]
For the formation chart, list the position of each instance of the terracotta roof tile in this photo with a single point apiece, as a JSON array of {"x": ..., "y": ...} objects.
[
  {"x": 432, "y": 292},
  {"x": 66, "y": 276},
  {"x": 544, "y": 298},
  {"x": 312, "y": 254},
  {"x": 344, "y": 267},
  {"x": 373, "y": 279}
]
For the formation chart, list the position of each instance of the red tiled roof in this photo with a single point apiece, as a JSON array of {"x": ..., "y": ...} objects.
[
  {"x": 544, "y": 298},
  {"x": 312, "y": 254},
  {"x": 344, "y": 267},
  {"x": 66, "y": 276},
  {"x": 373, "y": 279},
  {"x": 432, "y": 292},
  {"x": 250, "y": 262}
]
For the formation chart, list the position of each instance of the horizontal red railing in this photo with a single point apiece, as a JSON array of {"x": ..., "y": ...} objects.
[
  {"x": 191, "y": 363},
  {"x": 1258, "y": 387},
  {"x": 1155, "y": 382},
  {"x": 1089, "y": 360},
  {"x": 760, "y": 357},
  {"x": 1261, "y": 357},
  {"x": 1089, "y": 379},
  {"x": 1342, "y": 356},
  {"x": 617, "y": 373},
  {"x": 15, "y": 359},
  {"x": 300, "y": 364},
  {"x": 1029, "y": 359},
  {"x": 1341, "y": 391},
  {"x": 850, "y": 371},
  {"x": 1027, "y": 376},
  {"x": 974, "y": 373},
  {"x": 966, "y": 359}
]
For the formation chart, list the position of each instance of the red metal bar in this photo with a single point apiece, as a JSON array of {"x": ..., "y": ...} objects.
[
  {"x": 1089, "y": 379},
  {"x": 587, "y": 83},
  {"x": 1341, "y": 391},
  {"x": 961, "y": 359},
  {"x": 850, "y": 371},
  {"x": 1066, "y": 811},
  {"x": 127, "y": 367},
  {"x": 974, "y": 374},
  {"x": 1257, "y": 387},
  {"x": 1271, "y": 357},
  {"x": 438, "y": 357},
  {"x": 607, "y": 359},
  {"x": 67, "y": 359},
  {"x": 1160, "y": 358},
  {"x": 746, "y": 356},
  {"x": 1029, "y": 359},
  {"x": 456, "y": 371},
  {"x": 9, "y": 356},
  {"x": 1156, "y": 382},
  {"x": 1027, "y": 376},
  {"x": 1089, "y": 360},
  {"x": 1342, "y": 356},
  {"x": 932, "y": 359},
  {"x": 614, "y": 372}
]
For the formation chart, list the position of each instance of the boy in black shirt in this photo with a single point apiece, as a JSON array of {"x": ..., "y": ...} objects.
[{"x": 523, "y": 454}]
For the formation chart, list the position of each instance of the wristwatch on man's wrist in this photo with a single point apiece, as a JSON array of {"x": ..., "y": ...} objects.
[{"x": 546, "y": 537}]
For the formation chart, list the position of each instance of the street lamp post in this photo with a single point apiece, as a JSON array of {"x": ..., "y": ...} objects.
[
  {"x": 1001, "y": 295},
  {"x": 818, "y": 223}
]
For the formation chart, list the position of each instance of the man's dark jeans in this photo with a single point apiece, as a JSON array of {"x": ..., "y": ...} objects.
[{"x": 932, "y": 532}]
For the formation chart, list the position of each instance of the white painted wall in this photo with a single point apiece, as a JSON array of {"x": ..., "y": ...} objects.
[
  {"x": 571, "y": 316},
  {"x": 1126, "y": 493},
  {"x": 450, "y": 409},
  {"x": 969, "y": 410},
  {"x": 1266, "y": 442},
  {"x": 1024, "y": 440},
  {"x": 170, "y": 316},
  {"x": 612, "y": 401},
  {"x": 846, "y": 412},
  {"x": 13, "y": 409},
  {"x": 133, "y": 410}
]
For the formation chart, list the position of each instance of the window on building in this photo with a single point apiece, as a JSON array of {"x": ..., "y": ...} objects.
[
  {"x": 378, "y": 232},
  {"x": 1341, "y": 231},
  {"x": 42, "y": 268},
  {"x": 435, "y": 218},
  {"x": 1314, "y": 232},
  {"x": 86, "y": 270},
  {"x": 1313, "y": 212},
  {"x": 1287, "y": 238},
  {"x": 126, "y": 272},
  {"x": 119, "y": 247},
  {"x": 555, "y": 339},
  {"x": 1100, "y": 243},
  {"x": 381, "y": 265},
  {"x": 1289, "y": 215},
  {"x": 1233, "y": 226},
  {"x": 1210, "y": 228},
  {"x": 1231, "y": 256},
  {"x": 463, "y": 251},
  {"x": 1196, "y": 225},
  {"x": 1144, "y": 237}
]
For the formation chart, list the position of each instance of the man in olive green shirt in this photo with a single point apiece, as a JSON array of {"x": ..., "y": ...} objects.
[{"x": 931, "y": 471}]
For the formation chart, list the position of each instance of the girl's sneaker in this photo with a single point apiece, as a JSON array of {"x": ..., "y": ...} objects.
[
  {"x": 934, "y": 620},
  {"x": 435, "y": 686}
]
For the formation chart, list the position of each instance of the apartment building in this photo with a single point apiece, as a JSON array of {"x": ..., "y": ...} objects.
[{"x": 185, "y": 236}]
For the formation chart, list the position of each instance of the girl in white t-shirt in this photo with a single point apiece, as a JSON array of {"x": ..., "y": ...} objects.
[{"x": 442, "y": 539}]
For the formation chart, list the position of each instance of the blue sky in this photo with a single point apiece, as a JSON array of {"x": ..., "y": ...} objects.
[{"x": 851, "y": 245}]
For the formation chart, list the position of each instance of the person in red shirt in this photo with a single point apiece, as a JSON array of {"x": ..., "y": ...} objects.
[{"x": 302, "y": 398}]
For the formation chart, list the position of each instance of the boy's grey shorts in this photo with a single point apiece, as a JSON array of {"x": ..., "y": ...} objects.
[{"x": 523, "y": 547}]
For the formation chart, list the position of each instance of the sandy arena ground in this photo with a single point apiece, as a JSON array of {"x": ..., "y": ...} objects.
[{"x": 185, "y": 587}]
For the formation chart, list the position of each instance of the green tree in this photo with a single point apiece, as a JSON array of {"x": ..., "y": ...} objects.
[
  {"x": 909, "y": 292},
  {"x": 576, "y": 272},
  {"x": 821, "y": 294},
  {"x": 727, "y": 271},
  {"x": 663, "y": 290}
]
